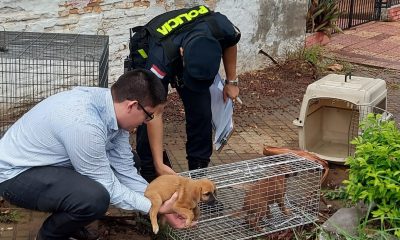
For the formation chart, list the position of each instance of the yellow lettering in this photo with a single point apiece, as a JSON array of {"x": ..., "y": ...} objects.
[
  {"x": 173, "y": 23},
  {"x": 203, "y": 9},
  {"x": 185, "y": 15},
  {"x": 163, "y": 30},
  {"x": 167, "y": 26},
  {"x": 179, "y": 20},
  {"x": 193, "y": 13}
]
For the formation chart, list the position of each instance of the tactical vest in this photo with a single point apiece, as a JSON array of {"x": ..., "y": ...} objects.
[{"x": 162, "y": 28}]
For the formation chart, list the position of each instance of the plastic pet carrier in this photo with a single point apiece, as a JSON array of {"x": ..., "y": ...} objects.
[{"x": 331, "y": 111}]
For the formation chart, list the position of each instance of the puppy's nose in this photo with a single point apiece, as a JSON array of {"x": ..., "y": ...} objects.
[
  {"x": 212, "y": 199},
  {"x": 217, "y": 206}
]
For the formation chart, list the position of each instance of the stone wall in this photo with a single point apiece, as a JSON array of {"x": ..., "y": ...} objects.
[{"x": 272, "y": 25}]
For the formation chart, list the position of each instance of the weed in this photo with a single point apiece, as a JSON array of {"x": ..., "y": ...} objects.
[
  {"x": 9, "y": 216},
  {"x": 336, "y": 194},
  {"x": 312, "y": 54}
]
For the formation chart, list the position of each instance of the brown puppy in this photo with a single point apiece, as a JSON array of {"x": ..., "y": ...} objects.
[
  {"x": 190, "y": 193},
  {"x": 260, "y": 195}
]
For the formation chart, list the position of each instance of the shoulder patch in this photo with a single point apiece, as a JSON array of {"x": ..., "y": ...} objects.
[{"x": 157, "y": 71}]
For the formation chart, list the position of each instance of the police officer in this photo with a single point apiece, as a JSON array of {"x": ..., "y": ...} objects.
[{"x": 200, "y": 48}]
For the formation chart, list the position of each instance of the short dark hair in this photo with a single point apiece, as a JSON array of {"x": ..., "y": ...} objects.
[{"x": 141, "y": 85}]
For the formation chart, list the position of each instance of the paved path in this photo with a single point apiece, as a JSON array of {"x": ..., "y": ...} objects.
[{"x": 374, "y": 43}]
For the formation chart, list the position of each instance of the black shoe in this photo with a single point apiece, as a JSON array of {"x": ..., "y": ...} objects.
[{"x": 85, "y": 233}]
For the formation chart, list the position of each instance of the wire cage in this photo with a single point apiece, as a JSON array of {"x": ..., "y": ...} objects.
[
  {"x": 257, "y": 197},
  {"x": 358, "y": 114},
  {"x": 36, "y": 65}
]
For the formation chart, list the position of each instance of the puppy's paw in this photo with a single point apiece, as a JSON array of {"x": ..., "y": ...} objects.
[
  {"x": 156, "y": 228},
  {"x": 188, "y": 223}
]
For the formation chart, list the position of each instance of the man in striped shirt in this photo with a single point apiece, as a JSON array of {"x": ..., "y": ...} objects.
[{"x": 70, "y": 154}]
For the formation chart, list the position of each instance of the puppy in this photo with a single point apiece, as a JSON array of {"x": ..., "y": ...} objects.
[
  {"x": 190, "y": 193},
  {"x": 259, "y": 195}
]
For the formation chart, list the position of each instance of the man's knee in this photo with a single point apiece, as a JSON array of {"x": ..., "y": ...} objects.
[{"x": 93, "y": 201}]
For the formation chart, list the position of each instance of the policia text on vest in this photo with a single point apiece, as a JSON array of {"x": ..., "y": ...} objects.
[{"x": 168, "y": 26}]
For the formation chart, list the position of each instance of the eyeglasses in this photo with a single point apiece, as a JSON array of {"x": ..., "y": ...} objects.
[{"x": 149, "y": 116}]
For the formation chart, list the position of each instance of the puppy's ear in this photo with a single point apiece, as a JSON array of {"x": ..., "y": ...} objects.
[{"x": 196, "y": 194}]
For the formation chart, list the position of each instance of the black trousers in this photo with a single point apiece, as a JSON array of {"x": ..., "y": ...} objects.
[
  {"x": 198, "y": 132},
  {"x": 73, "y": 199}
]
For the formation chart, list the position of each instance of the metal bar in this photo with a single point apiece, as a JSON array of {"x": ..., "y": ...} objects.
[{"x": 351, "y": 12}]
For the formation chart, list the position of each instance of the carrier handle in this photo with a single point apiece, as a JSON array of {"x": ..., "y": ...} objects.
[
  {"x": 3, "y": 48},
  {"x": 347, "y": 75}
]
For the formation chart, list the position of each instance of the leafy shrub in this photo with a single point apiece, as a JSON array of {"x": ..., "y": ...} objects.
[{"x": 374, "y": 174}]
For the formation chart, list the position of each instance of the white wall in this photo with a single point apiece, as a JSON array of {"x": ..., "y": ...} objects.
[{"x": 272, "y": 25}]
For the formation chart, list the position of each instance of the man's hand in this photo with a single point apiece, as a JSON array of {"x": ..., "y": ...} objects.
[
  {"x": 172, "y": 218},
  {"x": 176, "y": 221},
  {"x": 163, "y": 169},
  {"x": 166, "y": 207},
  {"x": 230, "y": 91}
]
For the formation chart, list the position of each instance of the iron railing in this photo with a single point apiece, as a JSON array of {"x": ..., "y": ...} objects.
[
  {"x": 392, "y": 3},
  {"x": 356, "y": 12}
]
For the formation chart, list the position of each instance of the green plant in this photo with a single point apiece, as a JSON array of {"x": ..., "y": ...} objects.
[
  {"x": 336, "y": 194},
  {"x": 374, "y": 174},
  {"x": 9, "y": 216},
  {"x": 311, "y": 54},
  {"x": 322, "y": 16}
]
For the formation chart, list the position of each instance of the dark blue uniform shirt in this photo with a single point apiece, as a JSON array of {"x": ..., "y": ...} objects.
[{"x": 158, "y": 60}]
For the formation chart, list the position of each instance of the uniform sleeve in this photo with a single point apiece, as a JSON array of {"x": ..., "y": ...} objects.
[
  {"x": 157, "y": 63},
  {"x": 230, "y": 33}
]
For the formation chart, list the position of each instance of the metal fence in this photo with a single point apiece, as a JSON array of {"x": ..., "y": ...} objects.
[
  {"x": 35, "y": 65},
  {"x": 391, "y": 3},
  {"x": 356, "y": 12}
]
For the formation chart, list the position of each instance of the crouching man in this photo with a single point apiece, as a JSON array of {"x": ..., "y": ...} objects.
[{"x": 70, "y": 155}]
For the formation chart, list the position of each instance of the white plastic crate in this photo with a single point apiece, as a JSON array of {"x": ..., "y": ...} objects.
[{"x": 331, "y": 110}]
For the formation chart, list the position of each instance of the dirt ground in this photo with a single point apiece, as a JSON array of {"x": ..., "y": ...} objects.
[{"x": 288, "y": 79}]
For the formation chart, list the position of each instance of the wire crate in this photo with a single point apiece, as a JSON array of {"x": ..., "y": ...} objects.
[
  {"x": 36, "y": 65},
  {"x": 358, "y": 114},
  {"x": 257, "y": 197}
]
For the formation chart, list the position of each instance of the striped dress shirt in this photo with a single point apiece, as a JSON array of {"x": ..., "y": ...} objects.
[{"x": 77, "y": 129}]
